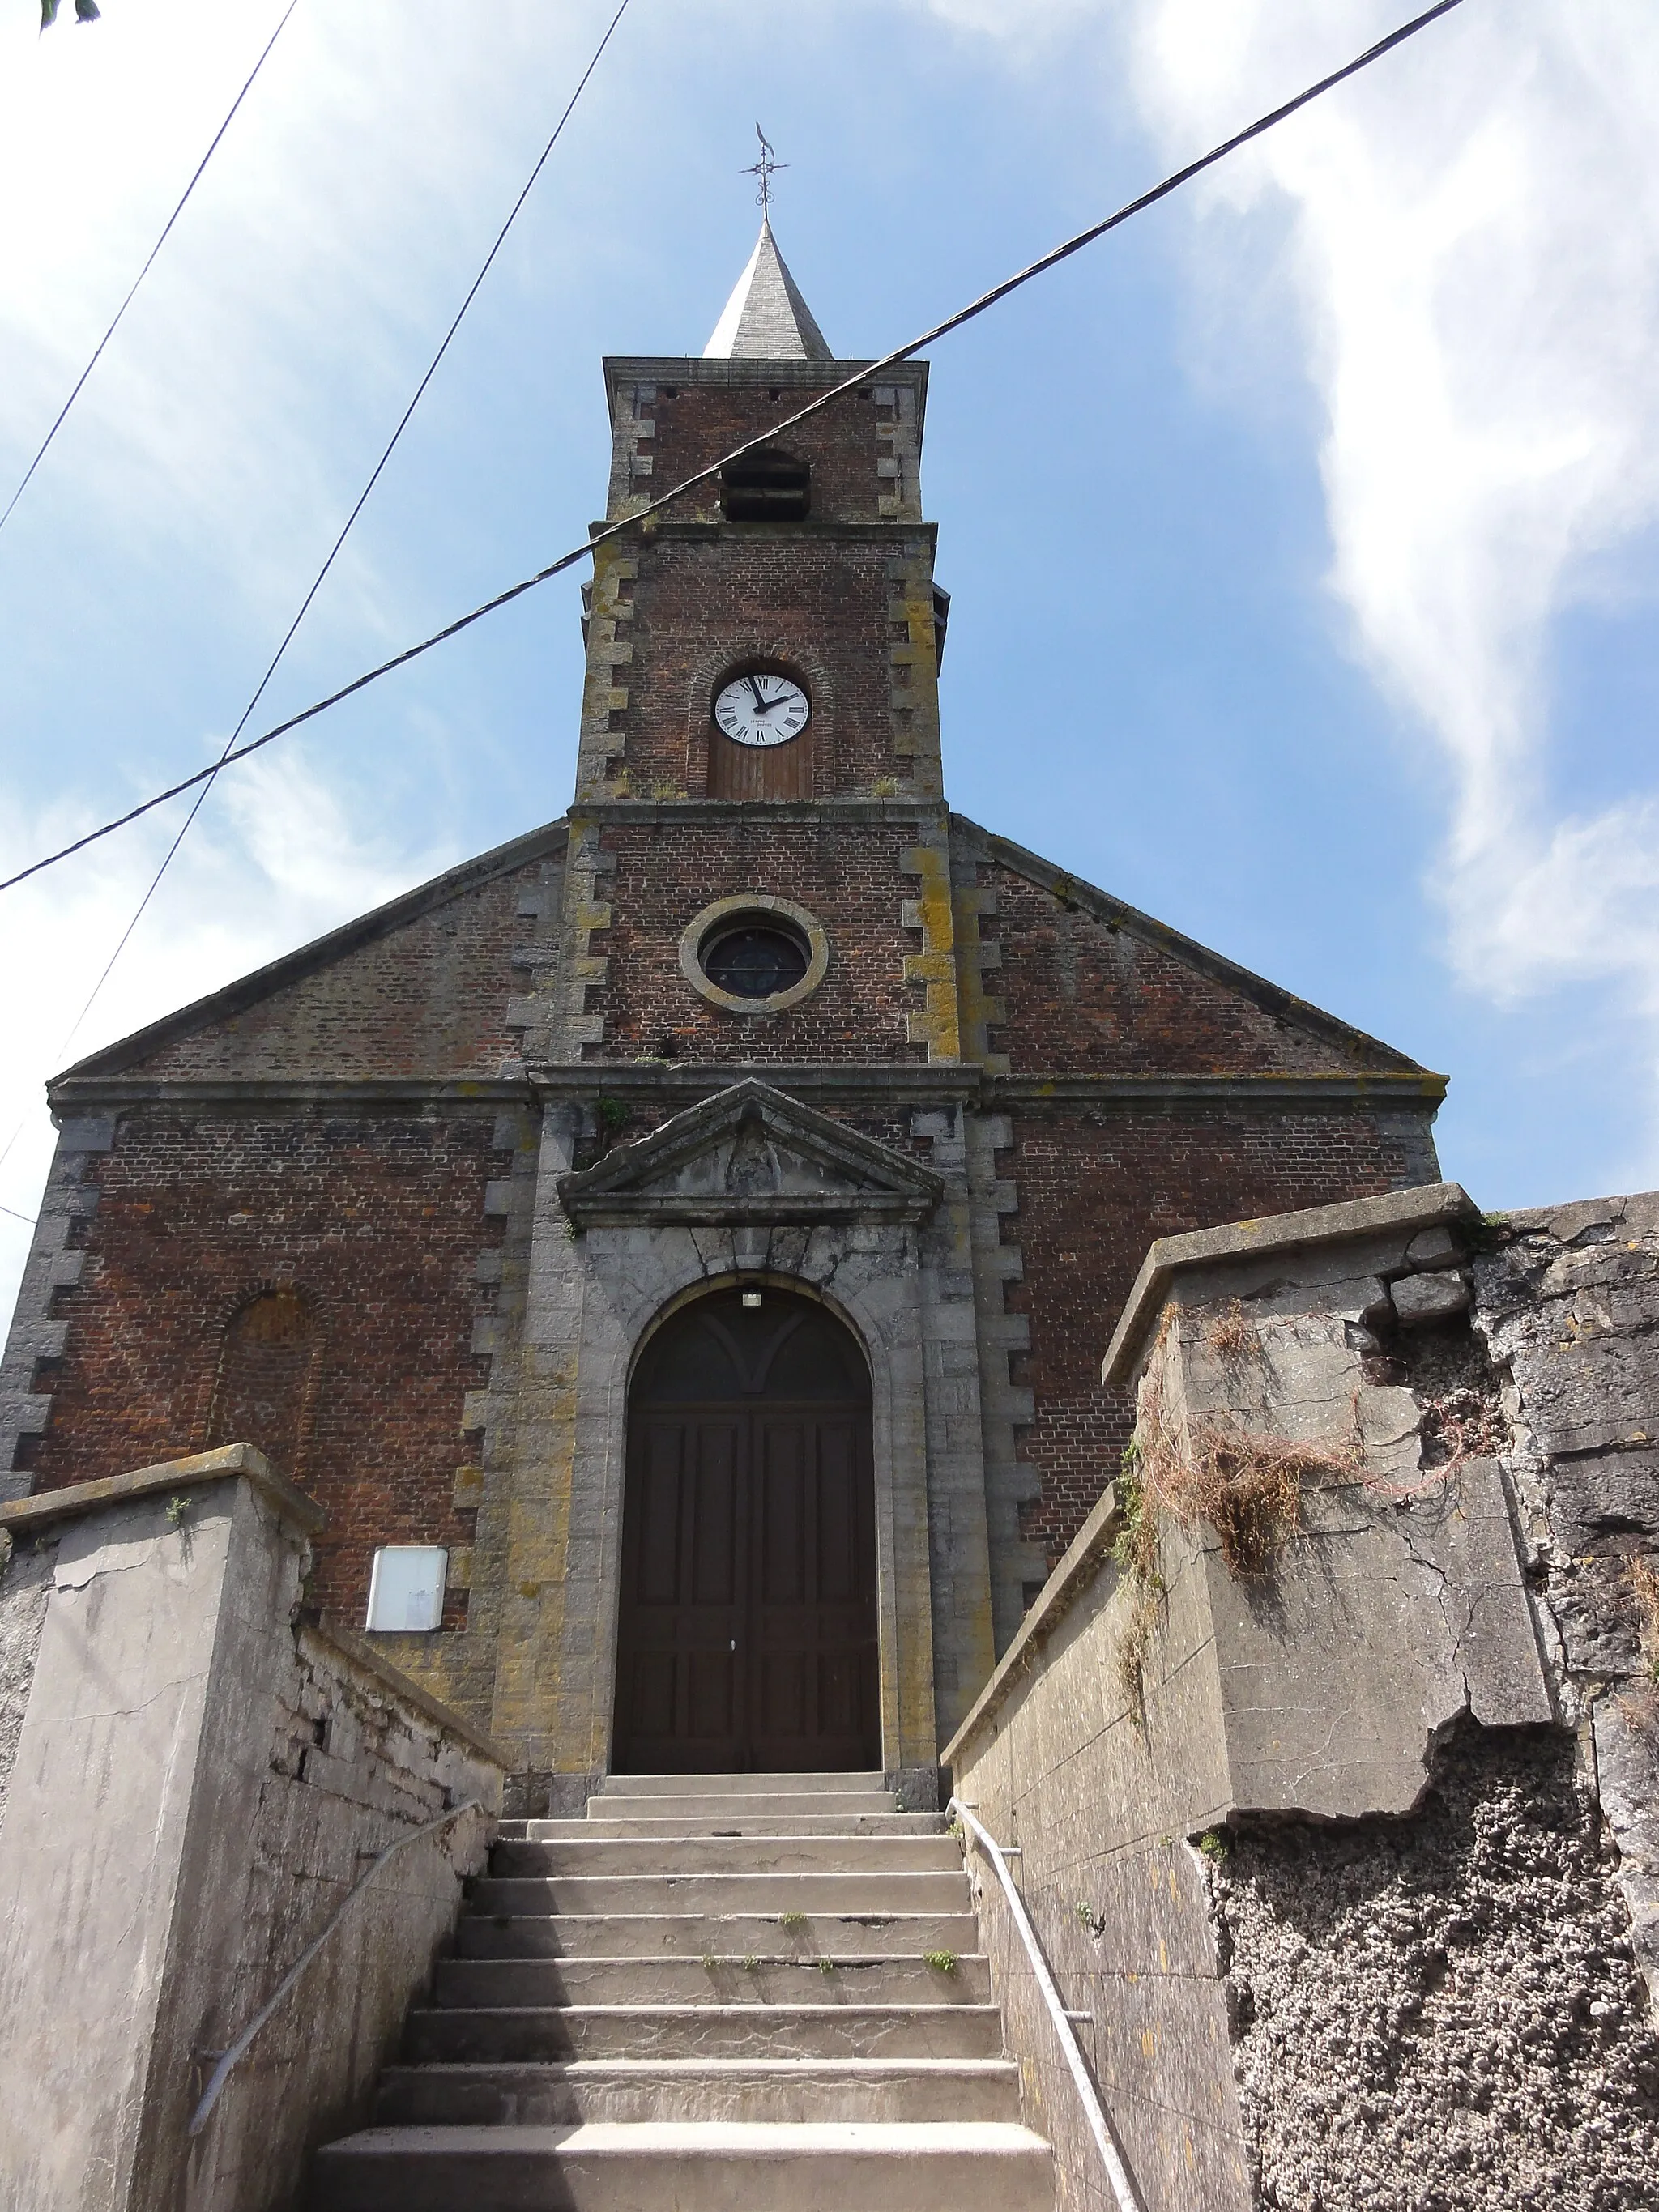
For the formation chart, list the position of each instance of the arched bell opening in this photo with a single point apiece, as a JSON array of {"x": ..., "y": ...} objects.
[{"x": 746, "y": 1635}]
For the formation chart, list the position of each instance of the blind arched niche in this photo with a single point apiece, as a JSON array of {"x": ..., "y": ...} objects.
[{"x": 262, "y": 1387}]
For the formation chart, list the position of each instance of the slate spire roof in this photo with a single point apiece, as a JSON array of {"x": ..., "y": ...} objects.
[{"x": 766, "y": 318}]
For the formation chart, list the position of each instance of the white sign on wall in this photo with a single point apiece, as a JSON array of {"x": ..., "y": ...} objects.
[{"x": 406, "y": 1586}]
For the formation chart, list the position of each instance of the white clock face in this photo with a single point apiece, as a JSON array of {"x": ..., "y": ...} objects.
[{"x": 762, "y": 709}]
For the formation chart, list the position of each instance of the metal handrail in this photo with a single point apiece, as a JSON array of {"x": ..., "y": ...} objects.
[
  {"x": 227, "y": 2059},
  {"x": 1099, "y": 2126}
]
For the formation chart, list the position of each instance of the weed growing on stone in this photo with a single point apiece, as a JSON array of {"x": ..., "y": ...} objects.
[
  {"x": 1229, "y": 1335},
  {"x": 885, "y": 786},
  {"x": 1214, "y": 1845},
  {"x": 751, "y": 1964},
  {"x": 1644, "y": 1582},
  {"x": 1135, "y": 1550},
  {"x": 177, "y": 1509},
  {"x": 792, "y": 1920},
  {"x": 826, "y": 1966},
  {"x": 942, "y": 1962},
  {"x": 1088, "y": 1917},
  {"x": 709, "y": 1962},
  {"x": 1246, "y": 1485},
  {"x": 612, "y": 1115}
]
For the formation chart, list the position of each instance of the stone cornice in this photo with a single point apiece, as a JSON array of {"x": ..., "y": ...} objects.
[
  {"x": 1419, "y": 1088},
  {"x": 905, "y": 1083},
  {"x": 888, "y": 526},
  {"x": 1398, "y": 1212},
  {"x": 881, "y": 1082},
  {"x": 74, "y": 1093},
  {"x": 229, "y": 1463},
  {"x": 762, "y": 813}
]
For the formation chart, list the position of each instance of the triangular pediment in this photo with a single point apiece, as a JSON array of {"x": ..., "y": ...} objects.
[{"x": 750, "y": 1155}]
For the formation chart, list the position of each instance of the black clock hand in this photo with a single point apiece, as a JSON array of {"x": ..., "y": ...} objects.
[{"x": 762, "y": 706}]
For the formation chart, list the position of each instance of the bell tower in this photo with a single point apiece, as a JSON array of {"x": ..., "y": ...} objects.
[
  {"x": 760, "y": 723},
  {"x": 809, "y": 560}
]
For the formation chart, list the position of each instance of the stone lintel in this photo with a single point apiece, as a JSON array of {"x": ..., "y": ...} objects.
[
  {"x": 903, "y": 1083},
  {"x": 1395, "y": 1212}
]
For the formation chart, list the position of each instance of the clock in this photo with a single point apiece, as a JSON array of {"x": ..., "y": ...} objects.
[{"x": 762, "y": 709}]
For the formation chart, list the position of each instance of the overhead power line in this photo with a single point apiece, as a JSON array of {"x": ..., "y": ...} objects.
[
  {"x": 317, "y": 581},
  {"x": 868, "y": 370},
  {"x": 81, "y": 380}
]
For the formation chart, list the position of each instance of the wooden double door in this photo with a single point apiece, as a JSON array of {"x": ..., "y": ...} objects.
[{"x": 747, "y": 1632}]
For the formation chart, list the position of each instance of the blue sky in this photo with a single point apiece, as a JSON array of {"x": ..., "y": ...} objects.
[{"x": 1301, "y": 536}]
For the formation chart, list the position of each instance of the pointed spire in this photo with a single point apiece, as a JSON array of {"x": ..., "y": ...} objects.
[{"x": 766, "y": 318}]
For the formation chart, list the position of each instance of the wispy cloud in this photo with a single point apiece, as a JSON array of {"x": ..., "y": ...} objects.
[
  {"x": 214, "y": 453},
  {"x": 1466, "y": 243}
]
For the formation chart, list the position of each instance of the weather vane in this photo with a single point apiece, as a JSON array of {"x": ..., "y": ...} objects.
[{"x": 764, "y": 168}]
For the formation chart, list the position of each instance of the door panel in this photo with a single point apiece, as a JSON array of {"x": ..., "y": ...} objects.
[{"x": 747, "y": 1636}]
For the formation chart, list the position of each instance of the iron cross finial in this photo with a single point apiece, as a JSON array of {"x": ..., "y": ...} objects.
[{"x": 763, "y": 169}]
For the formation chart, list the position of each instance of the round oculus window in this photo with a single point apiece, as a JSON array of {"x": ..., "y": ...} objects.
[{"x": 755, "y": 955}]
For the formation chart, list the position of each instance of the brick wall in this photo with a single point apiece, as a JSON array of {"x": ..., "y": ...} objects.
[
  {"x": 818, "y": 604},
  {"x": 695, "y": 423},
  {"x": 1081, "y": 996},
  {"x": 378, "y": 1220},
  {"x": 848, "y": 876},
  {"x": 1095, "y": 1186},
  {"x": 427, "y": 997}
]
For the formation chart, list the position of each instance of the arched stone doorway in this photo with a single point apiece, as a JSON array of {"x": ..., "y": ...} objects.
[{"x": 747, "y": 1636}]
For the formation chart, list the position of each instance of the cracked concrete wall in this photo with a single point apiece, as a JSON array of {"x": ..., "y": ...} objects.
[
  {"x": 1442, "y": 2011},
  {"x": 25, "y": 1585},
  {"x": 1567, "y": 1303},
  {"x": 199, "y": 1781},
  {"x": 1331, "y": 1878}
]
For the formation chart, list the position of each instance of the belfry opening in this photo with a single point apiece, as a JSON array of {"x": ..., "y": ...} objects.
[{"x": 747, "y": 1626}]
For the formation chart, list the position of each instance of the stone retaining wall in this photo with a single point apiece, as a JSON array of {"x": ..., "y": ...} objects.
[
  {"x": 1344, "y": 1872},
  {"x": 200, "y": 1777}
]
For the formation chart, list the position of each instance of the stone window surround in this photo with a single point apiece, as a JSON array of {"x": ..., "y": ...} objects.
[{"x": 760, "y": 903}]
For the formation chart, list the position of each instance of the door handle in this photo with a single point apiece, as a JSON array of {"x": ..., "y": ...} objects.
[{"x": 734, "y": 1642}]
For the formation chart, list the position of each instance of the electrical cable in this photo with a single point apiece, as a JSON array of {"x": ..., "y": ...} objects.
[
  {"x": 63, "y": 410},
  {"x": 345, "y": 529},
  {"x": 867, "y": 371}
]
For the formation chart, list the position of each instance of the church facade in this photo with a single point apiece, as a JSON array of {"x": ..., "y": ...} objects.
[{"x": 695, "y": 1224}]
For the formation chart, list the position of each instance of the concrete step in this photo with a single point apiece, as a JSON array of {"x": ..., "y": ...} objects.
[
  {"x": 722, "y": 1893},
  {"x": 690, "y": 2166},
  {"x": 588, "y": 1853},
  {"x": 786, "y": 1803},
  {"x": 633, "y": 2090},
  {"x": 738, "y": 1821},
  {"x": 707, "y": 1936},
  {"x": 785, "y": 1977},
  {"x": 736, "y": 2031},
  {"x": 710, "y": 1785}
]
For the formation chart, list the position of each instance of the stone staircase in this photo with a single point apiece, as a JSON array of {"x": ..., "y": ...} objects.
[{"x": 715, "y": 1992}]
